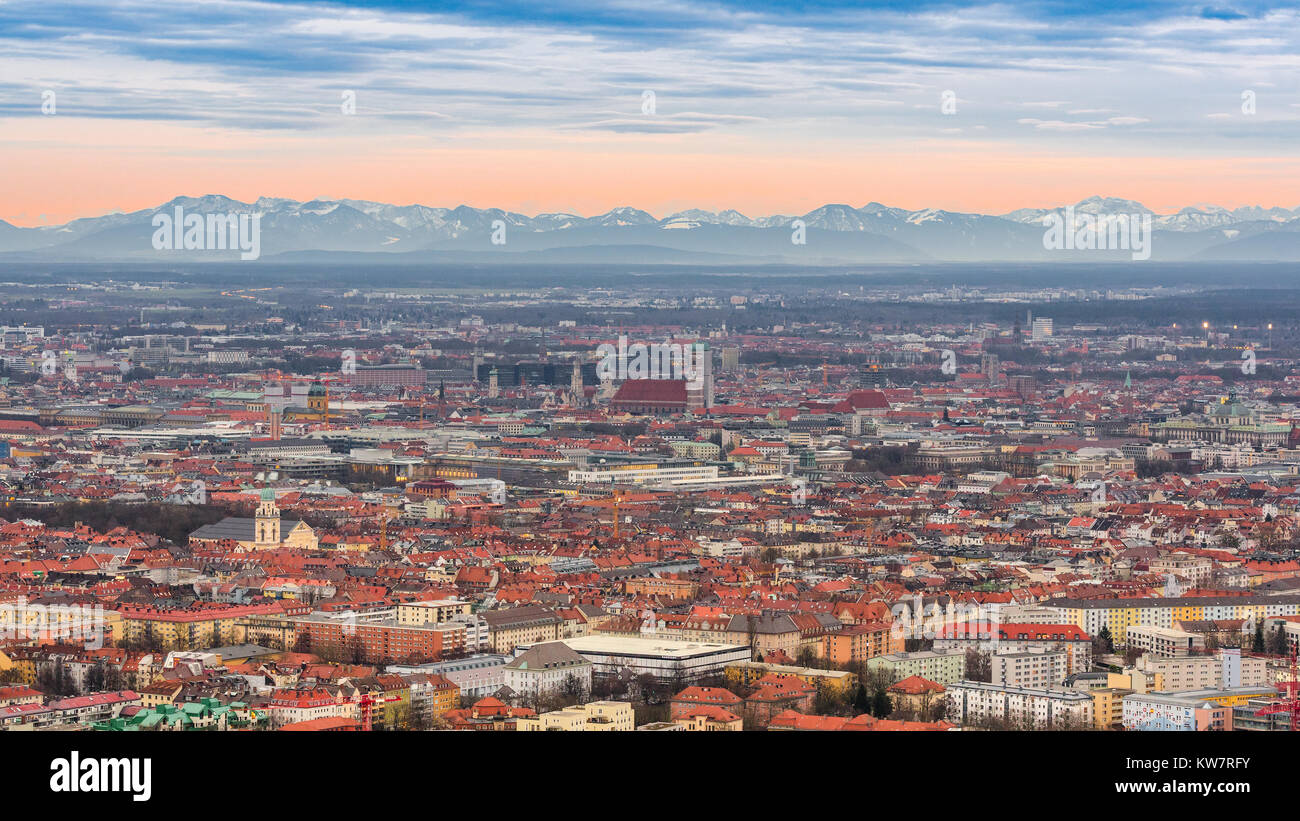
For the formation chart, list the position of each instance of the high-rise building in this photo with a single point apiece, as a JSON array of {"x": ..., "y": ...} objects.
[
  {"x": 1042, "y": 329},
  {"x": 730, "y": 359},
  {"x": 575, "y": 382},
  {"x": 699, "y": 391}
]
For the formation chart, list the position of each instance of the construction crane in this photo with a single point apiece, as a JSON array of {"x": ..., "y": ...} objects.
[
  {"x": 1289, "y": 697},
  {"x": 618, "y": 500}
]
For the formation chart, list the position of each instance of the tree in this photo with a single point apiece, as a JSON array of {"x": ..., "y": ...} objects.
[
  {"x": 751, "y": 631},
  {"x": 881, "y": 704},
  {"x": 573, "y": 689},
  {"x": 979, "y": 665},
  {"x": 1257, "y": 645},
  {"x": 861, "y": 702},
  {"x": 1104, "y": 642},
  {"x": 1277, "y": 644},
  {"x": 937, "y": 710},
  {"x": 401, "y": 716}
]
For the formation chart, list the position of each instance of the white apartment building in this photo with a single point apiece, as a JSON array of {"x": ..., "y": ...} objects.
[
  {"x": 478, "y": 636},
  {"x": 1022, "y": 638},
  {"x": 1188, "y": 711},
  {"x": 1041, "y": 330},
  {"x": 476, "y": 676},
  {"x": 643, "y": 475},
  {"x": 1166, "y": 642},
  {"x": 1023, "y": 613},
  {"x": 1228, "y": 668},
  {"x": 1044, "y": 709},
  {"x": 1035, "y": 671}
]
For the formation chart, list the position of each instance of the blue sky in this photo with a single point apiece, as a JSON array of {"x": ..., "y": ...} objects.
[{"x": 764, "y": 78}]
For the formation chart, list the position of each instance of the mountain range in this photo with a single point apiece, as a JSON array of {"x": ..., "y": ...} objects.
[{"x": 346, "y": 230}]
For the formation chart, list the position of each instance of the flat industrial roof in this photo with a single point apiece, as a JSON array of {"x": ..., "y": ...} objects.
[{"x": 649, "y": 646}]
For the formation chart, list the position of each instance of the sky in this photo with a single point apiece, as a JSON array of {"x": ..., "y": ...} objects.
[{"x": 573, "y": 106}]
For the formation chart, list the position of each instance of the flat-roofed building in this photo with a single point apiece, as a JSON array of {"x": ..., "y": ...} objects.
[
  {"x": 1165, "y": 641},
  {"x": 665, "y": 659},
  {"x": 1035, "y": 670},
  {"x": 594, "y": 716},
  {"x": 941, "y": 666},
  {"x": 1227, "y": 668},
  {"x": 477, "y": 676},
  {"x": 975, "y": 702},
  {"x": 434, "y": 611}
]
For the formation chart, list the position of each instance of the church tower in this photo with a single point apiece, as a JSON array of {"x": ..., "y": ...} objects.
[
  {"x": 316, "y": 398},
  {"x": 267, "y": 533},
  {"x": 575, "y": 383}
]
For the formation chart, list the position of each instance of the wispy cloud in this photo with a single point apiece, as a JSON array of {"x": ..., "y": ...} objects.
[{"x": 773, "y": 77}]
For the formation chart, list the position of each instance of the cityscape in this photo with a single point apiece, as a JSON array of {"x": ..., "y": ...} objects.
[
  {"x": 378, "y": 377},
  {"x": 750, "y": 505}
]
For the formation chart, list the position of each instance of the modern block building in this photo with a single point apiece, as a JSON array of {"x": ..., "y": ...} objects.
[
  {"x": 942, "y": 666},
  {"x": 1118, "y": 615},
  {"x": 1041, "y": 709},
  {"x": 1033, "y": 670},
  {"x": 666, "y": 660}
]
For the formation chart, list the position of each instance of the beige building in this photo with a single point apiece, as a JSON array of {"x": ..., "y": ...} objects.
[
  {"x": 1195, "y": 569},
  {"x": 431, "y": 612},
  {"x": 1166, "y": 642},
  {"x": 531, "y": 624},
  {"x": 1205, "y": 672},
  {"x": 596, "y": 716}
]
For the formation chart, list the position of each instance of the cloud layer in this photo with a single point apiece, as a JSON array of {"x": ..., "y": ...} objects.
[{"x": 226, "y": 78}]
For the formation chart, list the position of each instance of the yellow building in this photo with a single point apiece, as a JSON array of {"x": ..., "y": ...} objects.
[
  {"x": 1118, "y": 615},
  {"x": 75, "y": 624},
  {"x": 444, "y": 695},
  {"x": 1108, "y": 707},
  {"x": 1138, "y": 681},
  {"x": 160, "y": 692},
  {"x": 196, "y": 628},
  {"x": 711, "y": 720},
  {"x": 597, "y": 716},
  {"x": 744, "y": 673}
]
